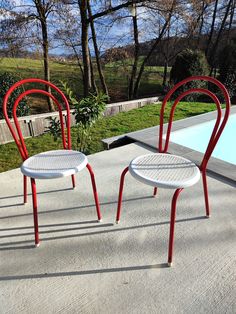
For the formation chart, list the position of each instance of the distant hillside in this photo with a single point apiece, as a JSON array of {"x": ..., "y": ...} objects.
[{"x": 167, "y": 48}]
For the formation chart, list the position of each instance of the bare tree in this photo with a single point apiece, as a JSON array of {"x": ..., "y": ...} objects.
[
  {"x": 85, "y": 21},
  {"x": 231, "y": 20},
  {"x": 12, "y": 30},
  {"x": 212, "y": 28},
  {"x": 83, "y": 7},
  {"x": 136, "y": 50},
  {"x": 166, "y": 14},
  {"x": 213, "y": 50},
  {"x": 44, "y": 8},
  {"x": 96, "y": 50},
  {"x": 29, "y": 16},
  {"x": 68, "y": 34}
]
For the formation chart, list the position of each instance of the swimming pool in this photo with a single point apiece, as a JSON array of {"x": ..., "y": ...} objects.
[{"x": 197, "y": 137}]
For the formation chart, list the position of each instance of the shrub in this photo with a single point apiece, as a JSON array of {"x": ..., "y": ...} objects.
[
  {"x": 188, "y": 63},
  {"x": 54, "y": 128},
  {"x": 87, "y": 111},
  {"x": 117, "y": 54},
  {"x": 227, "y": 68},
  {"x": 6, "y": 81}
]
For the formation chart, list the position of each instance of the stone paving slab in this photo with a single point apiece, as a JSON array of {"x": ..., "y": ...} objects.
[{"x": 82, "y": 266}]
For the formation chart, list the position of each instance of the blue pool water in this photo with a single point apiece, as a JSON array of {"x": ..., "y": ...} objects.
[{"x": 197, "y": 137}]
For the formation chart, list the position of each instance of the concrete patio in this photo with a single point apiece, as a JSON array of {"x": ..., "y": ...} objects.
[{"x": 83, "y": 266}]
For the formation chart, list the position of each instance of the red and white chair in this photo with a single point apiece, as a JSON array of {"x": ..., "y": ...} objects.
[
  {"x": 163, "y": 170},
  {"x": 51, "y": 164}
]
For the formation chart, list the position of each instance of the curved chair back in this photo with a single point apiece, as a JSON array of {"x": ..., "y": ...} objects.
[
  {"x": 221, "y": 119},
  {"x": 16, "y": 131}
]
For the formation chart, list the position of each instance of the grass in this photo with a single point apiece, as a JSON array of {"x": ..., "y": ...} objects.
[
  {"x": 121, "y": 123},
  {"x": 26, "y": 68},
  {"x": 115, "y": 74}
]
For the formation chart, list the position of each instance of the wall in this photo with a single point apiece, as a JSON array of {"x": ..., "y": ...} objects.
[{"x": 36, "y": 124}]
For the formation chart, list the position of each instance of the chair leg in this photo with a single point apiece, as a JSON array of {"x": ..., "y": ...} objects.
[
  {"x": 25, "y": 188},
  {"x": 95, "y": 192},
  {"x": 172, "y": 225},
  {"x": 204, "y": 180},
  {"x": 73, "y": 181},
  {"x": 34, "y": 197},
  {"x": 155, "y": 192},
  {"x": 122, "y": 179}
]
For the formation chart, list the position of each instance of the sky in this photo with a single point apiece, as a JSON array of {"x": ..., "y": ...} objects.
[{"x": 109, "y": 34}]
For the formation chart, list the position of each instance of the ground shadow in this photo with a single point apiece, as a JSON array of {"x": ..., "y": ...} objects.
[
  {"x": 98, "y": 225},
  {"x": 84, "y": 272},
  {"x": 12, "y": 205},
  {"x": 73, "y": 208},
  {"x": 29, "y": 194},
  {"x": 10, "y": 245},
  {"x": 51, "y": 225}
]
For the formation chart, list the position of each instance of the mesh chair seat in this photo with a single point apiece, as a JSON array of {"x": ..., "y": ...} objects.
[
  {"x": 164, "y": 170},
  {"x": 54, "y": 164}
]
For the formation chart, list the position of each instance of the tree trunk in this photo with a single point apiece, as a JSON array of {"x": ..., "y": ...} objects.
[
  {"x": 85, "y": 48},
  {"x": 204, "y": 7},
  {"x": 93, "y": 82},
  {"x": 136, "y": 54},
  {"x": 231, "y": 19},
  {"x": 97, "y": 54},
  {"x": 77, "y": 58},
  {"x": 43, "y": 21},
  {"x": 215, "y": 46},
  {"x": 165, "y": 73},
  {"x": 212, "y": 29},
  {"x": 137, "y": 82},
  {"x": 166, "y": 55},
  {"x": 51, "y": 106}
]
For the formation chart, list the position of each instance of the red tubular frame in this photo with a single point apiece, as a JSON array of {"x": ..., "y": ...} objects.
[
  {"x": 172, "y": 225},
  {"x": 122, "y": 179},
  {"x": 163, "y": 144},
  {"x": 18, "y": 137},
  {"x": 154, "y": 191},
  {"x": 217, "y": 130},
  {"x": 95, "y": 194},
  {"x": 25, "y": 188}
]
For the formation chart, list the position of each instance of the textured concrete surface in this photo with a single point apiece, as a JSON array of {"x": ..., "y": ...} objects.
[{"x": 82, "y": 266}]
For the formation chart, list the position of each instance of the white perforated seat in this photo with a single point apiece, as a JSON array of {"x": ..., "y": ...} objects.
[
  {"x": 54, "y": 164},
  {"x": 164, "y": 170}
]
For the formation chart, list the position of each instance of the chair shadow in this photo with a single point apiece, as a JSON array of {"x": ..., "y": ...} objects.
[
  {"x": 51, "y": 225},
  {"x": 70, "y": 208},
  {"x": 84, "y": 272},
  {"x": 98, "y": 225},
  {"x": 29, "y": 194},
  {"x": 15, "y": 245},
  {"x": 12, "y": 205}
]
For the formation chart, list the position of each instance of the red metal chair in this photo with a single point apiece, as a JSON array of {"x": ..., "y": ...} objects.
[
  {"x": 170, "y": 171},
  {"x": 51, "y": 164}
]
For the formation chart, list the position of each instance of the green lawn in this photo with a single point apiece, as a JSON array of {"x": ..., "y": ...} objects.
[
  {"x": 26, "y": 68},
  {"x": 121, "y": 123},
  {"x": 115, "y": 74}
]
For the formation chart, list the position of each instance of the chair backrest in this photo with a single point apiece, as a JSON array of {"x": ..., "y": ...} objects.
[
  {"x": 16, "y": 131},
  {"x": 221, "y": 119}
]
